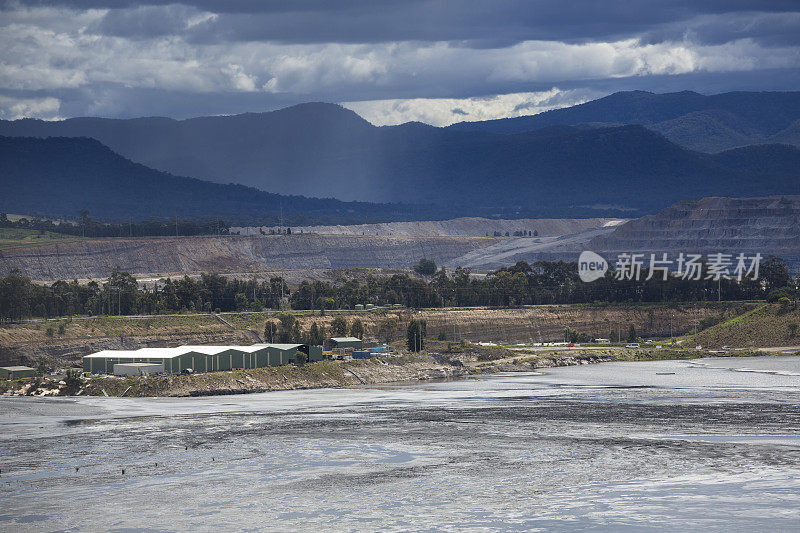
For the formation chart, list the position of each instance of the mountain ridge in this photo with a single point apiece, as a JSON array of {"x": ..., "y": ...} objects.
[
  {"x": 323, "y": 150},
  {"x": 764, "y": 115}
]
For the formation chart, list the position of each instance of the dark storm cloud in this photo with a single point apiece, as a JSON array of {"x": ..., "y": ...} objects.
[
  {"x": 770, "y": 29},
  {"x": 145, "y": 21},
  {"x": 470, "y": 21},
  {"x": 477, "y": 58}
]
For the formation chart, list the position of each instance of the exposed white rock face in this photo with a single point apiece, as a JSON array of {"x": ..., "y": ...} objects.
[
  {"x": 235, "y": 253},
  {"x": 466, "y": 226},
  {"x": 769, "y": 225}
]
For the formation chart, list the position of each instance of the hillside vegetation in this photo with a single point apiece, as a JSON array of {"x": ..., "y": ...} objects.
[
  {"x": 23, "y": 238},
  {"x": 767, "y": 325},
  {"x": 69, "y": 339}
]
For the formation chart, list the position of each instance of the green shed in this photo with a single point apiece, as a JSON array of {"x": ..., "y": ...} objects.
[
  {"x": 344, "y": 342},
  {"x": 175, "y": 360},
  {"x": 202, "y": 358},
  {"x": 17, "y": 372}
]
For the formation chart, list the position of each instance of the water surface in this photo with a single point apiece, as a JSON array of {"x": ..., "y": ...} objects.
[{"x": 711, "y": 444}]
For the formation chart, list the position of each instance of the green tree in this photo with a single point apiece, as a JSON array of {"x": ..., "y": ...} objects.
[
  {"x": 388, "y": 330},
  {"x": 316, "y": 334},
  {"x": 425, "y": 267},
  {"x": 73, "y": 379},
  {"x": 296, "y": 336},
  {"x": 15, "y": 293},
  {"x": 339, "y": 327},
  {"x": 270, "y": 331},
  {"x": 300, "y": 358},
  {"x": 83, "y": 215},
  {"x": 357, "y": 329},
  {"x": 415, "y": 335},
  {"x": 287, "y": 327},
  {"x": 241, "y": 302},
  {"x": 792, "y": 329},
  {"x": 631, "y": 333},
  {"x": 774, "y": 273},
  {"x": 122, "y": 292}
]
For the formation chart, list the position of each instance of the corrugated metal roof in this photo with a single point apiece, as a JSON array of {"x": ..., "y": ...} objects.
[
  {"x": 252, "y": 348},
  {"x": 169, "y": 353},
  {"x": 160, "y": 352},
  {"x": 284, "y": 346},
  {"x": 112, "y": 353},
  {"x": 16, "y": 368},
  {"x": 345, "y": 339},
  {"x": 209, "y": 349},
  {"x": 163, "y": 353}
]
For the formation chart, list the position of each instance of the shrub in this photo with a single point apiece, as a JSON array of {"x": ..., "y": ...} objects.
[
  {"x": 708, "y": 321},
  {"x": 631, "y": 333},
  {"x": 357, "y": 329},
  {"x": 776, "y": 295},
  {"x": 62, "y": 328},
  {"x": 339, "y": 326},
  {"x": 50, "y": 331},
  {"x": 73, "y": 378}
]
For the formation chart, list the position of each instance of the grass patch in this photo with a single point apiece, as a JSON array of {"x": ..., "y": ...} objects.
[
  {"x": 767, "y": 325},
  {"x": 24, "y": 238}
]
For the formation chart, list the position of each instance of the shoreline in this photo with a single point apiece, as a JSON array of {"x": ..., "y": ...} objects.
[{"x": 474, "y": 360}]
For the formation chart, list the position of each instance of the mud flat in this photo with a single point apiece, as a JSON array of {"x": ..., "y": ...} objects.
[{"x": 665, "y": 445}]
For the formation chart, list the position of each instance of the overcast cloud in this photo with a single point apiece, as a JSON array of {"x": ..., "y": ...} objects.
[{"x": 434, "y": 61}]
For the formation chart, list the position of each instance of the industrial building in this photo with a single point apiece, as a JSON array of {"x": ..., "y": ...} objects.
[
  {"x": 138, "y": 369},
  {"x": 344, "y": 342},
  {"x": 201, "y": 358},
  {"x": 17, "y": 372}
]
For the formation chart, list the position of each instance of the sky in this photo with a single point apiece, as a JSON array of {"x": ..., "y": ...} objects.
[{"x": 391, "y": 61}]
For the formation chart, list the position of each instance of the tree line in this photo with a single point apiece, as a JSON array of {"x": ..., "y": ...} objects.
[
  {"x": 86, "y": 226},
  {"x": 286, "y": 329},
  {"x": 543, "y": 282},
  {"x": 121, "y": 294}
]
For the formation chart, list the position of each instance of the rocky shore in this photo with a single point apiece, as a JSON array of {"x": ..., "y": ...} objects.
[{"x": 474, "y": 360}]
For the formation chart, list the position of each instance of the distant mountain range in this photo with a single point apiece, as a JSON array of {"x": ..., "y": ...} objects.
[
  {"x": 704, "y": 123},
  {"x": 602, "y": 158},
  {"x": 59, "y": 176}
]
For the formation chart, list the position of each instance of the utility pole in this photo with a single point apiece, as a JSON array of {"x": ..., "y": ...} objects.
[
  {"x": 671, "y": 341},
  {"x": 176, "y": 224}
]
